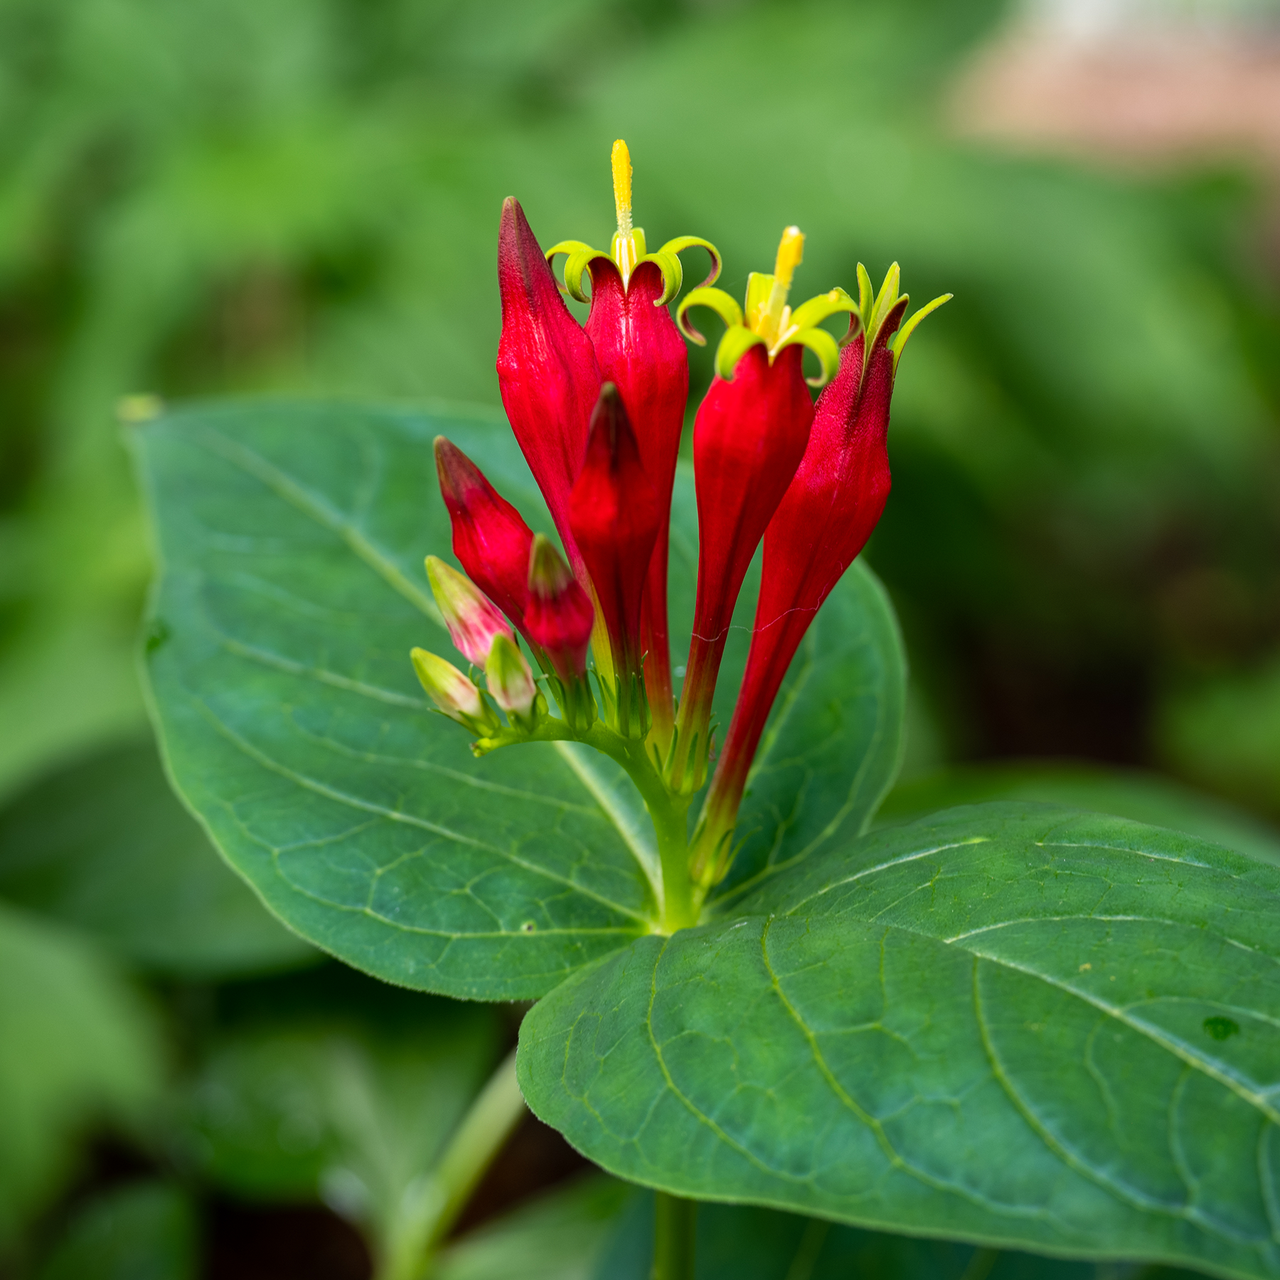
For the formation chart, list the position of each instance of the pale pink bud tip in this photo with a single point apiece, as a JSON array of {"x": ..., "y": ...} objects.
[
  {"x": 472, "y": 618},
  {"x": 510, "y": 680},
  {"x": 448, "y": 688}
]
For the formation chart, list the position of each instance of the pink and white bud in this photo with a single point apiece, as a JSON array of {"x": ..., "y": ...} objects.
[
  {"x": 510, "y": 680},
  {"x": 472, "y": 618},
  {"x": 450, "y": 690}
]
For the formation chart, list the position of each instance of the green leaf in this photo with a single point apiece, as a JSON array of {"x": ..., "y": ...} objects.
[
  {"x": 104, "y": 845},
  {"x": 78, "y": 1047},
  {"x": 142, "y": 1231},
  {"x": 1015, "y": 1025},
  {"x": 1125, "y": 793},
  {"x": 291, "y": 539}
]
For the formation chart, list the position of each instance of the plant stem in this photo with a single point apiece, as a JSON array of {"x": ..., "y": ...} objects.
[
  {"x": 444, "y": 1194},
  {"x": 674, "y": 1231}
]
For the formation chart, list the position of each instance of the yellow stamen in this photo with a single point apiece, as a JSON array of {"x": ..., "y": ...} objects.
[
  {"x": 622, "y": 186},
  {"x": 776, "y": 314},
  {"x": 625, "y": 247}
]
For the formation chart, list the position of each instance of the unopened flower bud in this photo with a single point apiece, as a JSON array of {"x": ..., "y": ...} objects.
[
  {"x": 470, "y": 615},
  {"x": 559, "y": 616},
  {"x": 490, "y": 538},
  {"x": 450, "y": 690},
  {"x": 510, "y": 680}
]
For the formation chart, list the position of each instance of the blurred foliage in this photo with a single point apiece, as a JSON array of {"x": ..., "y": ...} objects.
[
  {"x": 1124, "y": 793},
  {"x": 104, "y": 845},
  {"x": 79, "y": 1048},
  {"x": 142, "y": 1231},
  {"x": 215, "y": 196}
]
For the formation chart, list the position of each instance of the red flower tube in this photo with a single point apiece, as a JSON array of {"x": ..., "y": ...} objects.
[
  {"x": 614, "y": 512},
  {"x": 490, "y": 538},
  {"x": 547, "y": 372},
  {"x": 638, "y": 348},
  {"x": 823, "y": 522},
  {"x": 559, "y": 617},
  {"x": 748, "y": 439}
]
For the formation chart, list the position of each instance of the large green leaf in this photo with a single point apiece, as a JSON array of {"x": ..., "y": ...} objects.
[
  {"x": 104, "y": 845},
  {"x": 291, "y": 539},
  {"x": 1023, "y": 1026}
]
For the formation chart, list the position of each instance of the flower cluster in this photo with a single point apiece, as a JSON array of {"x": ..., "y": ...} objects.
[{"x": 598, "y": 411}]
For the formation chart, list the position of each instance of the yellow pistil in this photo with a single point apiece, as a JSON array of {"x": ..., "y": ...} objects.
[
  {"x": 626, "y": 249},
  {"x": 771, "y": 316}
]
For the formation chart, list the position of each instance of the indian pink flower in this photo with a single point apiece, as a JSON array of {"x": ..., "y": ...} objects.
[
  {"x": 638, "y": 348},
  {"x": 615, "y": 514},
  {"x": 490, "y": 538},
  {"x": 830, "y": 508},
  {"x": 748, "y": 438},
  {"x": 598, "y": 412}
]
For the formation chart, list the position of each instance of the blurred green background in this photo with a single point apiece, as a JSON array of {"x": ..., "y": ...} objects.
[{"x": 208, "y": 197}]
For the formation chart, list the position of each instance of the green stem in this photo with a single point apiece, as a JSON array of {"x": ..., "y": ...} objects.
[
  {"x": 669, "y": 812},
  {"x": 674, "y": 1232},
  {"x": 424, "y": 1223}
]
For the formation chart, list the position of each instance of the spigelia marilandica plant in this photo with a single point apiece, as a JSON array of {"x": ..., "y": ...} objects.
[
  {"x": 598, "y": 410},
  {"x": 1007, "y": 1023}
]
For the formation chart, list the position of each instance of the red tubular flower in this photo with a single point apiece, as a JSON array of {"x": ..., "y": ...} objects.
[
  {"x": 823, "y": 522},
  {"x": 638, "y": 348},
  {"x": 490, "y": 538},
  {"x": 547, "y": 370},
  {"x": 559, "y": 617},
  {"x": 748, "y": 439},
  {"x": 615, "y": 512}
]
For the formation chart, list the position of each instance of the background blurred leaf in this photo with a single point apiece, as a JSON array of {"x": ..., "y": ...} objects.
[
  {"x": 79, "y": 1048},
  {"x": 1225, "y": 733},
  {"x": 327, "y": 1087},
  {"x": 1141, "y": 797},
  {"x": 558, "y": 1237},
  {"x": 141, "y": 1231},
  {"x": 105, "y": 846},
  {"x": 750, "y": 1243}
]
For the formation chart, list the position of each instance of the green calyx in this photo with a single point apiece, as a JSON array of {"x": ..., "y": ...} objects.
[{"x": 627, "y": 253}]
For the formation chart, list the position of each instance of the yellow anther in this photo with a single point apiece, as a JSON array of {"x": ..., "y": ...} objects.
[
  {"x": 776, "y": 313},
  {"x": 790, "y": 255},
  {"x": 622, "y": 186}
]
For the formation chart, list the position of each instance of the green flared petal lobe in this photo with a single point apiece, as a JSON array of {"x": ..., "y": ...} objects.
[
  {"x": 579, "y": 257},
  {"x": 737, "y": 339},
  {"x": 720, "y": 302},
  {"x": 816, "y": 310},
  {"x": 823, "y": 345},
  {"x": 668, "y": 260},
  {"x": 899, "y": 339}
]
